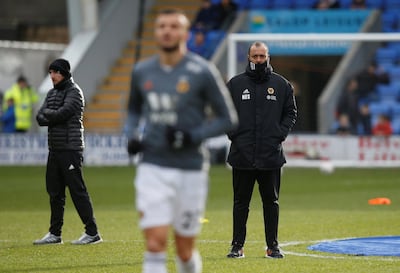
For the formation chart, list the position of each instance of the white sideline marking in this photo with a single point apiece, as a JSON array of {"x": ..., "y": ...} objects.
[
  {"x": 320, "y": 256},
  {"x": 290, "y": 243}
]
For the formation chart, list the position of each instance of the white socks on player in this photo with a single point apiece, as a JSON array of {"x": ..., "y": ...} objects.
[
  {"x": 193, "y": 265},
  {"x": 154, "y": 262}
]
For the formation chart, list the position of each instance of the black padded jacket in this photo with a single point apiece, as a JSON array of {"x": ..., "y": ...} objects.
[
  {"x": 267, "y": 111},
  {"x": 62, "y": 112}
]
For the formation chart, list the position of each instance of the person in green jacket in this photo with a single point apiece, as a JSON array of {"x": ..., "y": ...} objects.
[{"x": 24, "y": 98}]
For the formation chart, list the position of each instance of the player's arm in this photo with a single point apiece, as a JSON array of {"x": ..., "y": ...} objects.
[
  {"x": 134, "y": 111},
  {"x": 224, "y": 113}
]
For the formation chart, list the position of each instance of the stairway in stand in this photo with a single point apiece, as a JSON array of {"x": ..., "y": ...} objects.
[{"x": 106, "y": 112}]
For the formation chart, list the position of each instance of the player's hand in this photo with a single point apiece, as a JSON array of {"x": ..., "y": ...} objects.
[
  {"x": 134, "y": 146},
  {"x": 178, "y": 138}
]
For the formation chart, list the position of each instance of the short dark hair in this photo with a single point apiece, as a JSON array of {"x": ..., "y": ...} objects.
[
  {"x": 256, "y": 44},
  {"x": 22, "y": 78},
  {"x": 170, "y": 11}
]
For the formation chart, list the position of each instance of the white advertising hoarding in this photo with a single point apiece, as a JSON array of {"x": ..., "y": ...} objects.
[{"x": 300, "y": 150}]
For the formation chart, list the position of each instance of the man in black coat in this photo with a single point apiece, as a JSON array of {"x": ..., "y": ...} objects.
[
  {"x": 267, "y": 111},
  {"x": 62, "y": 113}
]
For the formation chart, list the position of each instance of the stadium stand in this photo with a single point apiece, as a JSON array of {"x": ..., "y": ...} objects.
[
  {"x": 385, "y": 55},
  {"x": 303, "y": 4},
  {"x": 105, "y": 112},
  {"x": 375, "y": 4},
  {"x": 388, "y": 93}
]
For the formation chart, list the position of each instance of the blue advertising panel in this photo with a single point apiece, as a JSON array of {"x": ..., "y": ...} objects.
[{"x": 307, "y": 21}]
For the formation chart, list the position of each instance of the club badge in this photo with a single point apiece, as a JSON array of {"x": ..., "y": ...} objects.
[
  {"x": 182, "y": 86},
  {"x": 270, "y": 94}
]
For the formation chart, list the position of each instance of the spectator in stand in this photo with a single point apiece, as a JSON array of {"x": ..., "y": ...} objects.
[
  {"x": 348, "y": 104},
  {"x": 365, "y": 119},
  {"x": 369, "y": 78},
  {"x": 344, "y": 127},
  {"x": 206, "y": 17},
  {"x": 383, "y": 126},
  {"x": 24, "y": 98},
  {"x": 226, "y": 12},
  {"x": 198, "y": 45},
  {"x": 358, "y": 4},
  {"x": 326, "y": 4},
  {"x": 8, "y": 117}
]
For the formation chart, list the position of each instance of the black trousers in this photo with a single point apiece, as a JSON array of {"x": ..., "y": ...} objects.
[
  {"x": 268, "y": 185},
  {"x": 64, "y": 169}
]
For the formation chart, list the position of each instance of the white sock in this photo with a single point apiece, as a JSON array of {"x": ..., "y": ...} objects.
[
  {"x": 154, "y": 262},
  {"x": 193, "y": 265}
]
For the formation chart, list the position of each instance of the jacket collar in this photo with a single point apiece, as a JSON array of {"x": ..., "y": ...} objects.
[
  {"x": 259, "y": 77},
  {"x": 63, "y": 84}
]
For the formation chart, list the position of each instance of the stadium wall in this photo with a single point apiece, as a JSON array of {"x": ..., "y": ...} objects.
[{"x": 301, "y": 150}]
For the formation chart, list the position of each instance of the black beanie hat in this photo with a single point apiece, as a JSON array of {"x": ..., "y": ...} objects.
[{"x": 62, "y": 66}]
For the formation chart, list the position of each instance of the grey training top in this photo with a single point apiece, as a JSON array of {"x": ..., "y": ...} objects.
[{"x": 178, "y": 96}]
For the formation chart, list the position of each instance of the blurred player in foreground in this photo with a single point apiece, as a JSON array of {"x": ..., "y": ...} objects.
[{"x": 170, "y": 93}]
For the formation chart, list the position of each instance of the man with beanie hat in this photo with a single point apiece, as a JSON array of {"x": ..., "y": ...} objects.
[
  {"x": 61, "y": 66},
  {"x": 62, "y": 113}
]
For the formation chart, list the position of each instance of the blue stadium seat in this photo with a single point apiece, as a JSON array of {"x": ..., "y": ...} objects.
[
  {"x": 190, "y": 41},
  {"x": 386, "y": 66},
  {"x": 377, "y": 108},
  {"x": 392, "y": 5},
  {"x": 396, "y": 126},
  {"x": 385, "y": 55},
  {"x": 388, "y": 92},
  {"x": 345, "y": 4},
  {"x": 396, "y": 47},
  {"x": 259, "y": 4},
  {"x": 242, "y": 4},
  {"x": 279, "y": 4},
  {"x": 213, "y": 38},
  {"x": 394, "y": 74},
  {"x": 395, "y": 111},
  {"x": 389, "y": 21},
  {"x": 303, "y": 4},
  {"x": 375, "y": 4}
]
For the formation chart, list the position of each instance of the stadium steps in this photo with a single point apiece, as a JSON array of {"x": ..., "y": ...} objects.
[{"x": 106, "y": 112}]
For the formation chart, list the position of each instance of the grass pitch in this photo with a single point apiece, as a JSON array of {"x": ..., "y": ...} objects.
[{"x": 314, "y": 207}]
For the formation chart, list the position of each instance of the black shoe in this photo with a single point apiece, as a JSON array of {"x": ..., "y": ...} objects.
[
  {"x": 273, "y": 253},
  {"x": 236, "y": 252}
]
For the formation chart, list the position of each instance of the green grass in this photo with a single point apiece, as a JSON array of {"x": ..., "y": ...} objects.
[{"x": 314, "y": 207}]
